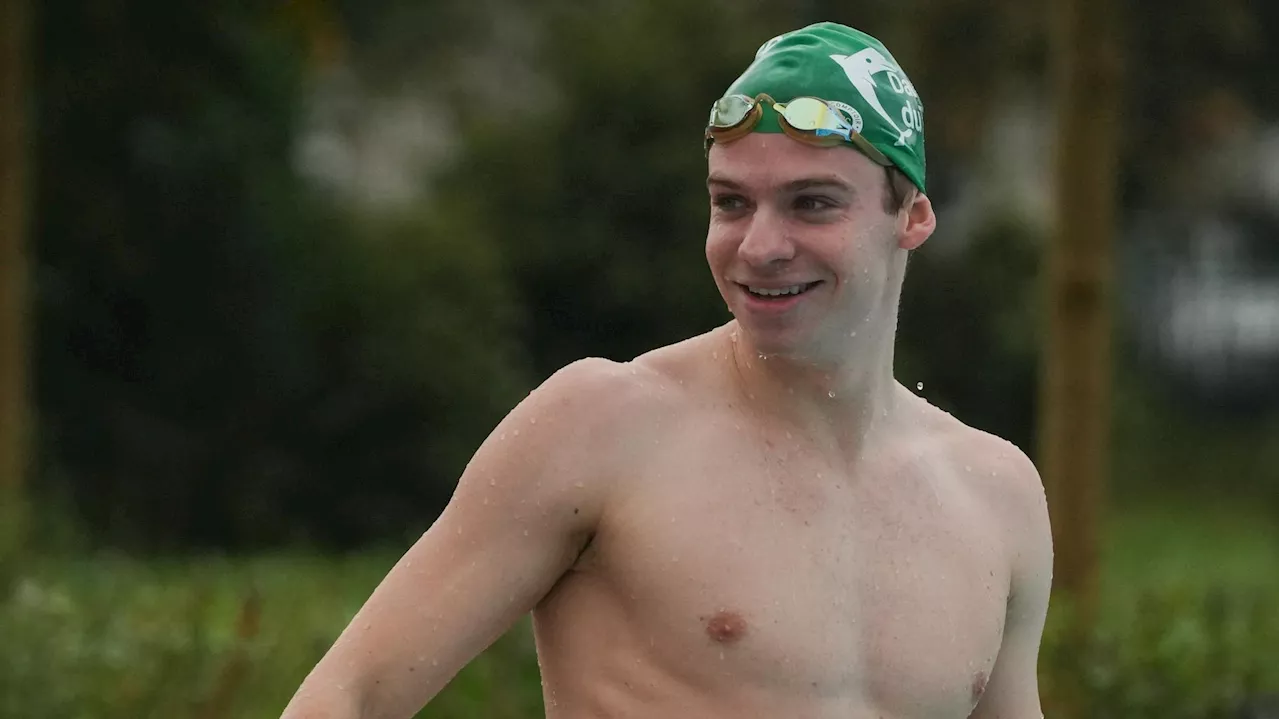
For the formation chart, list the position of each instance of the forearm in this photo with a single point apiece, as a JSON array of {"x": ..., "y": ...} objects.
[{"x": 320, "y": 697}]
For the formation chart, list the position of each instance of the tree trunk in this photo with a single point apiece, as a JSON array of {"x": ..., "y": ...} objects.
[
  {"x": 1075, "y": 397},
  {"x": 13, "y": 295}
]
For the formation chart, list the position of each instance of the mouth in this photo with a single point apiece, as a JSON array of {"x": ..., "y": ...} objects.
[{"x": 778, "y": 294}]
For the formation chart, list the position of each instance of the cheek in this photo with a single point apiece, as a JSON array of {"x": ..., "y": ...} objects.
[
  {"x": 863, "y": 254},
  {"x": 720, "y": 247}
]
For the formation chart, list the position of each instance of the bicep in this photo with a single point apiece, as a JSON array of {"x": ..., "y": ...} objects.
[
  {"x": 522, "y": 511},
  {"x": 1013, "y": 690},
  {"x": 462, "y": 584}
]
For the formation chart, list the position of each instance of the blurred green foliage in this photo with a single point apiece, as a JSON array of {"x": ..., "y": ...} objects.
[
  {"x": 229, "y": 355},
  {"x": 211, "y": 638}
]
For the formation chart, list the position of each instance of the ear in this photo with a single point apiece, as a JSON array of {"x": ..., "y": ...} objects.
[{"x": 916, "y": 222}]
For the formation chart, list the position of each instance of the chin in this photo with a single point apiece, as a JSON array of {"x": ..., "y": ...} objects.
[{"x": 786, "y": 342}]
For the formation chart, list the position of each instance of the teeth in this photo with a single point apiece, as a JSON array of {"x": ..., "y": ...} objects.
[{"x": 764, "y": 292}]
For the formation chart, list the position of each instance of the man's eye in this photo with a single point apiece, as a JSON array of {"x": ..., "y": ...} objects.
[
  {"x": 811, "y": 203},
  {"x": 728, "y": 203}
]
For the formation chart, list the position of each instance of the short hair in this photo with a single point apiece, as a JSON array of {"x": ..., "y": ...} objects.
[{"x": 899, "y": 190}]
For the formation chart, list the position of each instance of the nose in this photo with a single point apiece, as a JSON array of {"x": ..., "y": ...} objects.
[{"x": 765, "y": 242}]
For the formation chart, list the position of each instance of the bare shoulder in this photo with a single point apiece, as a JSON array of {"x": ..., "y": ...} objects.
[
  {"x": 592, "y": 390},
  {"x": 585, "y": 419},
  {"x": 992, "y": 463},
  {"x": 1000, "y": 474},
  {"x": 557, "y": 458},
  {"x": 1008, "y": 491}
]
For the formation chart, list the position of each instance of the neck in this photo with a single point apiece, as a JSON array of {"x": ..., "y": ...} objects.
[{"x": 845, "y": 397}]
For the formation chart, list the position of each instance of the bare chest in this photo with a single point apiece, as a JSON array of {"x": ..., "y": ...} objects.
[{"x": 772, "y": 568}]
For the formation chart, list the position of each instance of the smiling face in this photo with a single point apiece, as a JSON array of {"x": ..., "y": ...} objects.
[{"x": 800, "y": 245}]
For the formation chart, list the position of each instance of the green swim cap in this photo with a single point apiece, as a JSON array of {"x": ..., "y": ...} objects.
[{"x": 851, "y": 69}]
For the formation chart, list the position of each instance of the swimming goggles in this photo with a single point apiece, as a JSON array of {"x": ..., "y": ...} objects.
[{"x": 807, "y": 119}]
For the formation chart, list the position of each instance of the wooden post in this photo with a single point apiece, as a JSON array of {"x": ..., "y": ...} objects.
[
  {"x": 13, "y": 294},
  {"x": 1075, "y": 401}
]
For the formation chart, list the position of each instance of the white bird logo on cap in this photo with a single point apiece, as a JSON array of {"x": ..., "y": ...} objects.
[{"x": 860, "y": 67}]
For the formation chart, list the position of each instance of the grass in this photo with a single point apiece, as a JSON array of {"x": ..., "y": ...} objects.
[
  {"x": 107, "y": 636},
  {"x": 114, "y": 637},
  {"x": 1188, "y": 616},
  {"x": 1203, "y": 543}
]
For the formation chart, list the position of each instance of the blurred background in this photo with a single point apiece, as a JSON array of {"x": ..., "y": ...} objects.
[{"x": 286, "y": 264}]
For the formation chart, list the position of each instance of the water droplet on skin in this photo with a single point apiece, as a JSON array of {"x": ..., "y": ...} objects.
[
  {"x": 722, "y": 655},
  {"x": 526, "y": 532},
  {"x": 459, "y": 531},
  {"x": 493, "y": 482},
  {"x": 853, "y": 333},
  {"x": 831, "y": 394},
  {"x": 502, "y": 436},
  {"x": 919, "y": 386},
  {"x": 715, "y": 355},
  {"x": 485, "y": 501},
  {"x": 533, "y": 420},
  {"x": 788, "y": 435}
]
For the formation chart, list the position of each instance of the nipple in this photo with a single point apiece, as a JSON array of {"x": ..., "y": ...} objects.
[{"x": 726, "y": 627}]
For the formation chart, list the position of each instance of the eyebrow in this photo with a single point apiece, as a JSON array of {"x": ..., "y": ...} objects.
[{"x": 798, "y": 185}]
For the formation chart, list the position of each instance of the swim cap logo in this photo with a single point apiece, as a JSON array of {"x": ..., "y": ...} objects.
[
  {"x": 861, "y": 68},
  {"x": 851, "y": 114}
]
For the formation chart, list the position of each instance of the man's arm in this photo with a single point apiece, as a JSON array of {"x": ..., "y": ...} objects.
[
  {"x": 525, "y": 506},
  {"x": 1013, "y": 691}
]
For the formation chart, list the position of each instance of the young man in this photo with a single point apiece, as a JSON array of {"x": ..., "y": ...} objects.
[{"x": 759, "y": 521}]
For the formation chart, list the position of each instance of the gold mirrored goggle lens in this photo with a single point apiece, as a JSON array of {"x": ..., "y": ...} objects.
[
  {"x": 733, "y": 116},
  {"x": 811, "y": 114},
  {"x": 807, "y": 119},
  {"x": 815, "y": 121}
]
